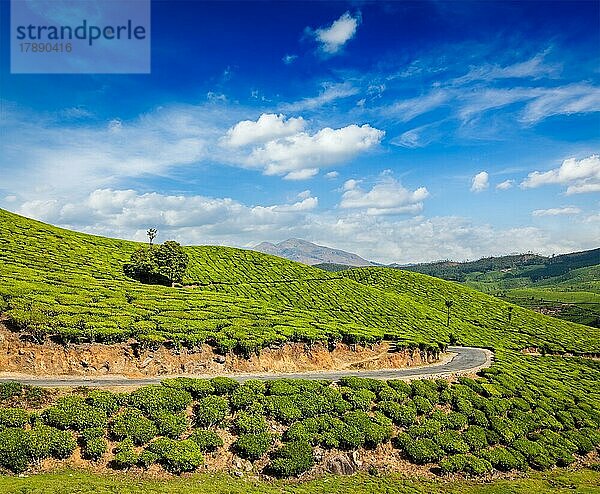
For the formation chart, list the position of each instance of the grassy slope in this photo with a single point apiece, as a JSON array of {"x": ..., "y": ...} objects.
[
  {"x": 65, "y": 482},
  {"x": 72, "y": 285}
]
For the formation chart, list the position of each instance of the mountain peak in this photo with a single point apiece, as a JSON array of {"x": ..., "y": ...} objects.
[{"x": 300, "y": 250}]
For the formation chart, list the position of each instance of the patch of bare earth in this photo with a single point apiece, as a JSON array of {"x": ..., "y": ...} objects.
[{"x": 18, "y": 355}]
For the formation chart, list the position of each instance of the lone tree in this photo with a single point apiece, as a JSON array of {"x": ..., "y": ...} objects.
[
  {"x": 172, "y": 261},
  {"x": 449, "y": 305},
  {"x": 165, "y": 265},
  {"x": 151, "y": 232}
]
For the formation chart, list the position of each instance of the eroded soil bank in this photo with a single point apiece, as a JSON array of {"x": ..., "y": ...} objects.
[{"x": 98, "y": 359}]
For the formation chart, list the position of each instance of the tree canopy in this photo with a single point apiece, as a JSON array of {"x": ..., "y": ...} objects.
[{"x": 163, "y": 264}]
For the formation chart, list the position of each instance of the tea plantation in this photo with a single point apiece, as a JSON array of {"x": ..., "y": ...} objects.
[{"x": 525, "y": 412}]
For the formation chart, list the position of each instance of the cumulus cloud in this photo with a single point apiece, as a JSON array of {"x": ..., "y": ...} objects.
[
  {"x": 387, "y": 196},
  {"x": 580, "y": 176},
  {"x": 566, "y": 211},
  {"x": 332, "y": 174},
  {"x": 301, "y": 155},
  {"x": 268, "y": 126},
  {"x": 507, "y": 184},
  {"x": 289, "y": 59},
  {"x": 332, "y": 38},
  {"x": 480, "y": 182}
]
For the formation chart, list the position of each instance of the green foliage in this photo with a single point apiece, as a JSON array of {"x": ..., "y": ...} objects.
[
  {"x": 422, "y": 451},
  {"x": 253, "y": 446},
  {"x": 247, "y": 423},
  {"x": 160, "y": 398},
  {"x": 105, "y": 400},
  {"x": 171, "y": 425},
  {"x": 182, "y": 456},
  {"x": 150, "y": 264},
  {"x": 13, "y": 417},
  {"x": 72, "y": 412},
  {"x": 292, "y": 459},
  {"x": 125, "y": 456},
  {"x": 210, "y": 411},
  {"x": 132, "y": 424},
  {"x": 94, "y": 448},
  {"x": 206, "y": 440}
]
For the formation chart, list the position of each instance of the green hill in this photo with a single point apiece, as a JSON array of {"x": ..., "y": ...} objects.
[
  {"x": 526, "y": 411},
  {"x": 71, "y": 286}
]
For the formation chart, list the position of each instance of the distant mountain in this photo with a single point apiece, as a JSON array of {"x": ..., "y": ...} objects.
[{"x": 299, "y": 250}]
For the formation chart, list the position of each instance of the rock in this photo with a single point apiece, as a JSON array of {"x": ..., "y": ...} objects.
[
  {"x": 146, "y": 362},
  {"x": 237, "y": 473},
  {"x": 84, "y": 363},
  {"x": 340, "y": 465},
  {"x": 220, "y": 359},
  {"x": 356, "y": 458},
  {"x": 318, "y": 454}
]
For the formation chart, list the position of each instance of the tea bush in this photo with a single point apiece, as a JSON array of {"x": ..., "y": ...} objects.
[{"x": 206, "y": 440}]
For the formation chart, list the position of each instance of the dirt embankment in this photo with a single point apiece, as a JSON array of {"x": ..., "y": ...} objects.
[{"x": 124, "y": 359}]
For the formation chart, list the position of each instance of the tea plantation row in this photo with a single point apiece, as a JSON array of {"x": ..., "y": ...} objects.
[{"x": 526, "y": 412}]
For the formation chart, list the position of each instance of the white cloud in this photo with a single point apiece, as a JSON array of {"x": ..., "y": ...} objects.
[
  {"x": 302, "y": 154},
  {"x": 507, "y": 184},
  {"x": 303, "y": 174},
  {"x": 289, "y": 59},
  {"x": 567, "y": 210},
  {"x": 334, "y": 37},
  {"x": 533, "y": 68},
  {"x": 580, "y": 176},
  {"x": 332, "y": 174},
  {"x": 480, "y": 182},
  {"x": 565, "y": 100},
  {"x": 329, "y": 93},
  {"x": 387, "y": 196},
  {"x": 269, "y": 126},
  {"x": 408, "y": 109}
]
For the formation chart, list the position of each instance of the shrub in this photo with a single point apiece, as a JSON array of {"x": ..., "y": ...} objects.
[
  {"x": 479, "y": 418},
  {"x": 422, "y": 451},
  {"x": 456, "y": 420},
  {"x": 147, "y": 458},
  {"x": 423, "y": 405},
  {"x": 224, "y": 385},
  {"x": 583, "y": 443},
  {"x": 246, "y": 395},
  {"x": 10, "y": 389},
  {"x": 292, "y": 459},
  {"x": 503, "y": 459},
  {"x": 198, "y": 388},
  {"x": 210, "y": 410},
  {"x": 536, "y": 454},
  {"x": 475, "y": 437},
  {"x": 159, "y": 398},
  {"x": 283, "y": 408},
  {"x": 182, "y": 456},
  {"x": 362, "y": 383},
  {"x": 14, "y": 449},
  {"x": 92, "y": 433},
  {"x": 94, "y": 448},
  {"x": 253, "y": 446},
  {"x": 45, "y": 441},
  {"x": 400, "y": 386},
  {"x": 132, "y": 424},
  {"x": 246, "y": 423},
  {"x": 125, "y": 456},
  {"x": 171, "y": 425},
  {"x": 206, "y": 440},
  {"x": 13, "y": 417},
  {"x": 453, "y": 464},
  {"x": 451, "y": 442},
  {"x": 359, "y": 399},
  {"x": 105, "y": 400},
  {"x": 74, "y": 413},
  {"x": 477, "y": 466}
]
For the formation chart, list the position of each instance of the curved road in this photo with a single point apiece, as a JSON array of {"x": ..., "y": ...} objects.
[{"x": 458, "y": 360}]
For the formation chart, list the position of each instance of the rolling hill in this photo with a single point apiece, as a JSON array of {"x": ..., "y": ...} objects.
[
  {"x": 71, "y": 287},
  {"x": 526, "y": 411}
]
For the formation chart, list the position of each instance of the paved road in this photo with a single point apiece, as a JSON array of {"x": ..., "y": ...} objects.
[{"x": 459, "y": 360}]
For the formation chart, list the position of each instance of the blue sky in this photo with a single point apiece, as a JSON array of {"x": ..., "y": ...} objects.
[{"x": 402, "y": 131}]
